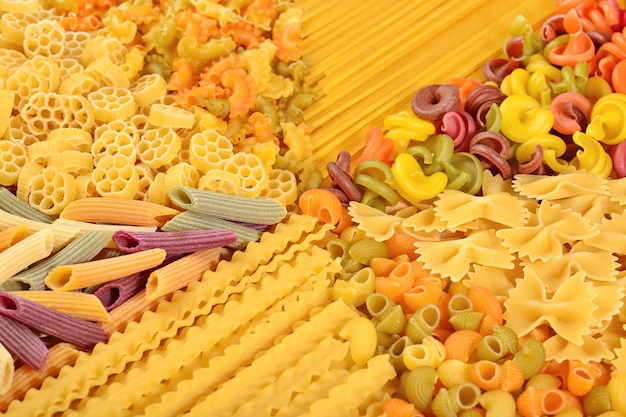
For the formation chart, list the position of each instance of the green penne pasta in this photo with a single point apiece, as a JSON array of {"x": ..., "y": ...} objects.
[
  {"x": 228, "y": 207},
  {"x": 81, "y": 249},
  {"x": 189, "y": 220},
  {"x": 11, "y": 204}
]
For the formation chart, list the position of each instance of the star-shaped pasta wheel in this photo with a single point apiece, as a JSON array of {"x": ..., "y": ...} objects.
[
  {"x": 542, "y": 238},
  {"x": 570, "y": 311}
]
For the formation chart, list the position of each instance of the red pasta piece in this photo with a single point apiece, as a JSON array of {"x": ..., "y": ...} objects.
[
  {"x": 174, "y": 243},
  {"x": 114, "y": 293},
  {"x": 22, "y": 343},
  {"x": 70, "y": 329}
]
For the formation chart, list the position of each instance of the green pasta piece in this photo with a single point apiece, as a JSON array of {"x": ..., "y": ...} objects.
[
  {"x": 490, "y": 348},
  {"x": 12, "y": 204},
  {"x": 530, "y": 358},
  {"x": 467, "y": 320},
  {"x": 597, "y": 401},
  {"x": 189, "y": 220},
  {"x": 449, "y": 402},
  {"x": 458, "y": 304},
  {"x": 396, "y": 351},
  {"x": 387, "y": 316},
  {"x": 228, "y": 207},
  {"x": 81, "y": 249},
  {"x": 363, "y": 251},
  {"x": 423, "y": 322},
  {"x": 356, "y": 288},
  {"x": 418, "y": 387}
]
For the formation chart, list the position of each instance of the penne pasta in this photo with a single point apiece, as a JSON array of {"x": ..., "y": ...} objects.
[
  {"x": 77, "y": 304},
  {"x": 174, "y": 243},
  {"x": 179, "y": 273},
  {"x": 18, "y": 339},
  {"x": 26, "y": 252},
  {"x": 7, "y": 370},
  {"x": 12, "y": 235},
  {"x": 85, "y": 274},
  {"x": 10, "y": 203},
  {"x": 118, "y": 211},
  {"x": 114, "y": 293}
]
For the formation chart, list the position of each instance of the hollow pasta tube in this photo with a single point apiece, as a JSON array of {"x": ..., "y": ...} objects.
[{"x": 26, "y": 252}]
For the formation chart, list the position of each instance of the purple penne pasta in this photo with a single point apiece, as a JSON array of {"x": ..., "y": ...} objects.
[
  {"x": 23, "y": 343},
  {"x": 174, "y": 243},
  {"x": 114, "y": 293},
  {"x": 62, "y": 326}
]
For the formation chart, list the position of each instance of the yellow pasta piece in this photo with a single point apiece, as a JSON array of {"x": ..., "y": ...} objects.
[
  {"x": 75, "y": 42},
  {"x": 179, "y": 273},
  {"x": 39, "y": 152},
  {"x": 51, "y": 191},
  {"x": 80, "y": 83},
  {"x": 26, "y": 252},
  {"x": 14, "y": 157},
  {"x": 11, "y": 235},
  {"x": 362, "y": 335},
  {"x": 163, "y": 115},
  {"x": 111, "y": 142},
  {"x": 133, "y": 63},
  {"x": 221, "y": 182},
  {"x": 181, "y": 174},
  {"x": 282, "y": 186},
  {"x": 209, "y": 150},
  {"x": 25, "y": 83},
  {"x": 157, "y": 192},
  {"x": 114, "y": 177},
  {"x": 78, "y": 139},
  {"x": 78, "y": 304},
  {"x": 29, "y": 171},
  {"x": 44, "y": 37},
  {"x": 85, "y": 187},
  {"x": 19, "y": 131},
  {"x": 112, "y": 103},
  {"x": 12, "y": 26},
  {"x": 251, "y": 170},
  {"x": 45, "y": 112},
  {"x": 106, "y": 73},
  {"x": 148, "y": 88},
  {"x": 19, "y": 6},
  {"x": 376, "y": 224},
  {"x": 118, "y": 211},
  {"x": 46, "y": 66},
  {"x": 83, "y": 275},
  {"x": 146, "y": 177},
  {"x": 67, "y": 67},
  {"x": 7, "y": 98},
  {"x": 71, "y": 161},
  {"x": 7, "y": 369},
  {"x": 158, "y": 147},
  {"x": 104, "y": 47}
]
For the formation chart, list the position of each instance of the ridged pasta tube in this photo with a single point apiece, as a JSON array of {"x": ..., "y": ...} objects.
[{"x": 229, "y": 207}]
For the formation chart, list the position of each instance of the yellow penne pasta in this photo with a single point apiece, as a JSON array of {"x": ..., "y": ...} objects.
[
  {"x": 179, "y": 273},
  {"x": 78, "y": 304},
  {"x": 11, "y": 235},
  {"x": 82, "y": 275},
  {"x": 26, "y": 252},
  {"x": 118, "y": 211}
]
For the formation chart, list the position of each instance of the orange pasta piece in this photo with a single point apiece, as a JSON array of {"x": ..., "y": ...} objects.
[
  {"x": 396, "y": 407},
  {"x": 26, "y": 378},
  {"x": 539, "y": 402},
  {"x": 401, "y": 244},
  {"x": 393, "y": 287},
  {"x": 262, "y": 128},
  {"x": 118, "y": 211},
  {"x": 242, "y": 33},
  {"x": 580, "y": 377},
  {"x": 344, "y": 222},
  {"x": 11, "y": 235},
  {"x": 485, "y": 302},
  {"x": 322, "y": 204},
  {"x": 78, "y": 304},
  {"x": 130, "y": 311},
  {"x": 243, "y": 91},
  {"x": 541, "y": 333},
  {"x": 425, "y": 291},
  {"x": 81, "y": 23},
  {"x": 465, "y": 85},
  {"x": 377, "y": 147},
  {"x": 383, "y": 266},
  {"x": 83, "y": 275},
  {"x": 462, "y": 344},
  {"x": 181, "y": 272},
  {"x": 444, "y": 320},
  {"x": 559, "y": 370},
  {"x": 490, "y": 375},
  {"x": 601, "y": 372}
]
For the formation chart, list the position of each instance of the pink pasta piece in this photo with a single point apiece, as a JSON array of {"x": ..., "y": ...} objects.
[
  {"x": 174, "y": 243},
  {"x": 23, "y": 343},
  {"x": 69, "y": 329},
  {"x": 115, "y": 293}
]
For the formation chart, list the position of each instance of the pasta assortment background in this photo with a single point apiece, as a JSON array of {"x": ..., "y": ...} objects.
[{"x": 129, "y": 126}]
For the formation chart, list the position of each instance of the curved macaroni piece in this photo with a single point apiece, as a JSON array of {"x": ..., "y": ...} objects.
[
  {"x": 51, "y": 191},
  {"x": 361, "y": 334},
  {"x": 44, "y": 37},
  {"x": 158, "y": 147},
  {"x": 14, "y": 157},
  {"x": 112, "y": 103},
  {"x": 453, "y": 372},
  {"x": 114, "y": 177}
]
